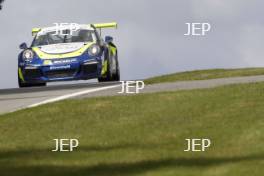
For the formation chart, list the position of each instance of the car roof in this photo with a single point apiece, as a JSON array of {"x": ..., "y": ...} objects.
[{"x": 65, "y": 26}]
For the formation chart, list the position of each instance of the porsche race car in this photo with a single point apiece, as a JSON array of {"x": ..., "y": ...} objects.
[{"x": 72, "y": 55}]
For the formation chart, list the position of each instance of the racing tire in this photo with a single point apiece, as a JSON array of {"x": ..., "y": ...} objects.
[
  {"x": 102, "y": 79},
  {"x": 22, "y": 84},
  {"x": 108, "y": 76},
  {"x": 116, "y": 75},
  {"x": 111, "y": 74}
]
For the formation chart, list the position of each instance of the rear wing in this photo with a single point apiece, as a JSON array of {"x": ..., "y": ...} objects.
[
  {"x": 35, "y": 31},
  {"x": 101, "y": 26},
  {"x": 105, "y": 25},
  {"x": 96, "y": 26}
]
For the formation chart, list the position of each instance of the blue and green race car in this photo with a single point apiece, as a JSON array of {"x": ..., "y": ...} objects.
[{"x": 78, "y": 54}]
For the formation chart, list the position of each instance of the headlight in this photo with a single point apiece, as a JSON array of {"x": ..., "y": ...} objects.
[
  {"x": 94, "y": 50},
  {"x": 28, "y": 55}
]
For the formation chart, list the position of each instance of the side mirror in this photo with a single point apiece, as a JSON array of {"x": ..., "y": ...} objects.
[
  {"x": 23, "y": 46},
  {"x": 109, "y": 39}
]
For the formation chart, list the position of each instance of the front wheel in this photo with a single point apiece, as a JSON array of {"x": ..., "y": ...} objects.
[
  {"x": 116, "y": 74},
  {"x": 22, "y": 84},
  {"x": 113, "y": 70}
]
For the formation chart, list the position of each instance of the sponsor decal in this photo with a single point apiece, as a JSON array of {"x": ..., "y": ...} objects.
[
  {"x": 64, "y": 61},
  {"x": 61, "y": 48},
  {"x": 47, "y": 62},
  {"x": 60, "y": 67}
]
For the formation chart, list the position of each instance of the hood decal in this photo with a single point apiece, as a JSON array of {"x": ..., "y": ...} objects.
[
  {"x": 61, "y": 48},
  {"x": 62, "y": 51}
]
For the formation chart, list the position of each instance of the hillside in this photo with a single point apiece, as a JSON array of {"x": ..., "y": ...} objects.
[
  {"x": 141, "y": 135},
  {"x": 206, "y": 74}
]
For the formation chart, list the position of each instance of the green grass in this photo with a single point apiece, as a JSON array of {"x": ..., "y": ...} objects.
[
  {"x": 206, "y": 74},
  {"x": 141, "y": 135}
]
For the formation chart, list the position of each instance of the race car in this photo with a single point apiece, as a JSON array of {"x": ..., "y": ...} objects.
[{"x": 65, "y": 54}]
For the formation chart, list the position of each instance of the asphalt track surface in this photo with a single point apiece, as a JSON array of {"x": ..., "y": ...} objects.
[{"x": 16, "y": 99}]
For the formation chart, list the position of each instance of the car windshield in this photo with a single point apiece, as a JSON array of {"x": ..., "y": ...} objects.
[{"x": 53, "y": 37}]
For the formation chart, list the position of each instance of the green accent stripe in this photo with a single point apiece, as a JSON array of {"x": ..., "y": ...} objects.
[
  {"x": 20, "y": 74},
  {"x": 113, "y": 50},
  {"x": 104, "y": 69}
]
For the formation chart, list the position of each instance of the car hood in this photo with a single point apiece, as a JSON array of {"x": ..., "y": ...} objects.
[{"x": 61, "y": 48}]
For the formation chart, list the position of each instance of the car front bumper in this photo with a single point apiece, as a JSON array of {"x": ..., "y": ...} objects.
[{"x": 63, "y": 72}]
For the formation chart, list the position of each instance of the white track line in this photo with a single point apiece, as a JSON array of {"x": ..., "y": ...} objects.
[{"x": 52, "y": 100}]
